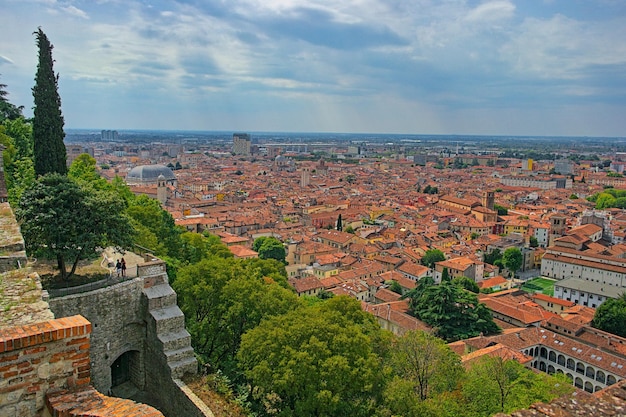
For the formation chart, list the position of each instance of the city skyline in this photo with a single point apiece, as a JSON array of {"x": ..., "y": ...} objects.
[{"x": 457, "y": 67}]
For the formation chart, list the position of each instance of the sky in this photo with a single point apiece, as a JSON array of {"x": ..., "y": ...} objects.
[{"x": 492, "y": 67}]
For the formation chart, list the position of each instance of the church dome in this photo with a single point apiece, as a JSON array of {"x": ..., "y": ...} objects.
[{"x": 149, "y": 174}]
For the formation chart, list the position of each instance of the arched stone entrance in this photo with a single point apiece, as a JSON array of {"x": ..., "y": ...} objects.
[{"x": 127, "y": 368}]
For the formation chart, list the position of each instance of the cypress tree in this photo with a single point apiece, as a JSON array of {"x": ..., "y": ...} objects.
[
  {"x": 48, "y": 147},
  {"x": 339, "y": 223}
]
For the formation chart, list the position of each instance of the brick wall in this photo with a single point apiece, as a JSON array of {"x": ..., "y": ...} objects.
[{"x": 38, "y": 357}]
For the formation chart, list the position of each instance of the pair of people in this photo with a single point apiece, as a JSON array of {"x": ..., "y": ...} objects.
[{"x": 120, "y": 267}]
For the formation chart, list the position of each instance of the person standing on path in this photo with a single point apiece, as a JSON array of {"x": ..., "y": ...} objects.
[
  {"x": 123, "y": 267},
  {"x": 118, "y": 267}
]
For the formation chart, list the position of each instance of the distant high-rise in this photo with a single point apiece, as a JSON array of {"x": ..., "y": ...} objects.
[
  {"x": 109, "y": 135},
  {"x": 564, "y": 166},
  {"x": 241, "y": 143}
]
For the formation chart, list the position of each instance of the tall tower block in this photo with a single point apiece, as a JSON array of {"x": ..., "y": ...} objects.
[
  {"x": 305, "y": 179},
  {"x": 489, "y": 200}
]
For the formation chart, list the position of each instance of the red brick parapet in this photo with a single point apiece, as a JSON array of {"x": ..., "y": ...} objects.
[
  {"x": 20, "y": 337},
  {"x": 36, "y": 358},
  {"x": 47, "y": 364},
  {"x": 87, "y": 402}
]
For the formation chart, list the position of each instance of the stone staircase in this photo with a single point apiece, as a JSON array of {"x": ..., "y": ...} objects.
[{"x": 167, "y": 322}]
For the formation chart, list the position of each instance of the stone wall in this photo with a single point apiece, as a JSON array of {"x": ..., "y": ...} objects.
[
  {"x": 139, "y": 318},
  {"x": 37, "y": 358},
  {"x": 118, "y": 326}
]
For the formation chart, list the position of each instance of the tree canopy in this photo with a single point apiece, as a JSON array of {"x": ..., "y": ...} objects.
[
  {"x": 269, "y": 247},
  {"x": 222, "y": 298},
  {"x": 494, "y": 385},
  {"x": 49, "y": 150},
  {"x": 512, "y": 259},
  {"x": 426, "y": 362},
  {"x": 313, "y": 361},
  {"x": 452, "y": 311},
  {"x": 431, "y": 256},
  {"x": 61, "y": 220},
  {"x": 610, "y": 316}
]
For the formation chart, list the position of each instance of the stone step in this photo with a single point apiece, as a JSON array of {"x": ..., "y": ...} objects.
[
  {"x": 179, "y": 354},
  {"x": 175, "y": 340},
  {"x": 168, "y": 319},
  {"x": 153, "y": 280},
  {"x": 187, "y": 365},
  {"x": 160, "y": 296}
]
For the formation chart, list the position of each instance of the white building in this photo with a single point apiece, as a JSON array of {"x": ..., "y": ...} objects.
[{"x": 585, "y": 292}]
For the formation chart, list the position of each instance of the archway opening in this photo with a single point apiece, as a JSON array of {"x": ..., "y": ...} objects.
[{"x": 126, "y": 368}]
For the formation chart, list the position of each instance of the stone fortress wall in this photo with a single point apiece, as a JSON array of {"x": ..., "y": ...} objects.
[{"x": 131, "y": 331}]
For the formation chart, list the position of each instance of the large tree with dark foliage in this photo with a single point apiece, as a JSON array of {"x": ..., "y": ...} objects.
[
  {"x": 59, "y": 219},
  {"x": 611, "y": 316},
  {"x": 452, "y": 311},
  {"x": 49, "y": 150}
]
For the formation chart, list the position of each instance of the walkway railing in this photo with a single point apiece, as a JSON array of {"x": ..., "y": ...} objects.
[{"x": 149, "y": 266}]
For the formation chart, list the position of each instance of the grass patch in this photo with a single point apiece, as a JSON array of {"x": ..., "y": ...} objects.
[
  {"x": 539, "y": 285},
  {"x": 216, "y": 394},
  {"x": 87, "y": 271}
]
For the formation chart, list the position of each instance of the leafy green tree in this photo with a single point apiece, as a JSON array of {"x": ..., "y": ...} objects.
[
  {"x": 605, "y": 200},
  {"x": 426, "y": 362},
  {"x": 315, "y": 361},
  {"x": 431, "y": 256},
  {"x": 149, "y": 213},
  {"x": 194, "y": 247},
  {"x": 512, "y": 259},
  {"x": 495, "y": 385},
  {"x": 610, "y": 316},
  {"x": 61, "y": 220},
  {"x": 222, "y": 298},
  {"x": 215, "y": 246},
  {"x": 21, "y": 133},
  {"x": 16, "y": 136},
  {"x": 269, "y": 269},
  {"x": 502, "y": 211},
  {"x": 258, "y": 242},
  {"x": 83, "y": 169},
  {"x": 22, "y": 178},
  {"x": 49, "y": 150},
  {"x": 492, "y": 257},
  {"x": 269, "y": 248},
  {"x": 445, "y": 275},
  {"x": 533, "y": 242},
  {"x": 452, "y": 311},
  {"x": 395, "y": 287},
  {"x": 466, "y": 283}
]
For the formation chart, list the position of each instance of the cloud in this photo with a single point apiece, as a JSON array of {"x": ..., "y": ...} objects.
[
  {"x": 490, "y": 11},
  {"x": 319, "y": 27},
  {"x": 74, "y": 11},
  {"x": 323, "y": 63},
  {"x": 5, "y": 60}
]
